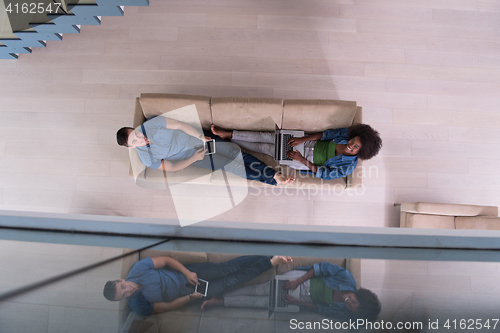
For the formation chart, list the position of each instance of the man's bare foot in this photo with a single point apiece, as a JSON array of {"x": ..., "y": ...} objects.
[
  {"x": 276, "y": 260},
  {"x": 282, "y": 179},
  {"x": 212, "y": 302},
  {"x": 223, "y": 134}
]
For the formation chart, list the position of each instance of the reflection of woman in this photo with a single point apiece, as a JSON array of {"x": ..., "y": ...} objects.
[
  {"x": 330, "y": 154},
  {"x": 325, "y": 288}
]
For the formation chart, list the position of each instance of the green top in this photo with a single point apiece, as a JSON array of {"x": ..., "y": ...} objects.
[
  {"x": 323, "y": 150},
  {"x": 320, "y": 292}
]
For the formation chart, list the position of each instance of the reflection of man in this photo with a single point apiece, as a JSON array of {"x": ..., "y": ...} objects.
[
  {"x": 161, "y": 284},
  {"x": 170, "y": 145},
  {"x": 325, "y": 288}
]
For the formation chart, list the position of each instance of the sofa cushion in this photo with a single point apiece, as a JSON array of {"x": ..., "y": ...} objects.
[
  {"x": 156, "y": 104},
  {"x": 448, "y": 209},
  {"x": 186, "y": 258},
  {"x": 308, "y": 261},
  {"x": 251, "y": 114},
  {"x": 317, "y": 115},
  {"x": 478, "y": 222},
  {"x": 430, "y": 221}
]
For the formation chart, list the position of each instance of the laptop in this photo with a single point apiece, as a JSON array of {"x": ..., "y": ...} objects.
[
  {"x": 281, "y": 145},
  {"x": 276, "y": 293}
]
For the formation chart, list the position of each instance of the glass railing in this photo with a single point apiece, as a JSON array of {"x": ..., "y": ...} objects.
[{"x": 60, "y": 289}]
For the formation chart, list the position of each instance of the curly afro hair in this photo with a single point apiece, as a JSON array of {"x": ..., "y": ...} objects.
[
  {"x": 370, "y": 140},
  {"x": 369, "y": 305}
]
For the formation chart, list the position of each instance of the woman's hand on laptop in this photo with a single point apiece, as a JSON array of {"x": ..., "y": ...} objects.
[
  {"x": 291, "y": 285},
  {"x": 292, "y": 142},
  {"x": 295, "y": 155},
  {"x": 291, "y": 300}
]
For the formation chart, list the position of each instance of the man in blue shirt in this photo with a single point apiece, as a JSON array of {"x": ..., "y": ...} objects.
[
  {"x": 171, "y": 145},
  {"x": 160, "y": 284}
]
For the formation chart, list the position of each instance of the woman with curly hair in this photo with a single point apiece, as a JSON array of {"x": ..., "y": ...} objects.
[
  {"x": 325, "y": 288},
  {"x": 330, "y": 154}
]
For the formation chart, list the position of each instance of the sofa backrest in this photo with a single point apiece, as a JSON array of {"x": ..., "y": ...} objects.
[
  {"x": 251, "y": 114},
  {"x": 448, "y": 209},
  {"x": 477, "y": 222},
  {"x": 311, "y": 115},
  {"x": 156, "y": 104}
]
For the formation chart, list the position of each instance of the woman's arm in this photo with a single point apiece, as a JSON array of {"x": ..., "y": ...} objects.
[
  {"x": 313, "y": 137},
  {"x": 295, "y": 155},
  {"x": 288, "y": 299},
  {"x": 292, "y": 285},
  {"x": 160, "y": 307},
  {"x": 297, "y": 141}
]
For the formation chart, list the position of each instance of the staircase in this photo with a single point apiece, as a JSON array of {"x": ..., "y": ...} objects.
[{"x": 25, "y": 24}]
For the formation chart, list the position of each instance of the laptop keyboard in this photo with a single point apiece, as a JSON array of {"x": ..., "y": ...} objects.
[
  {"x": 285, "y": 147},
  {"x": 281, "y": 293}
]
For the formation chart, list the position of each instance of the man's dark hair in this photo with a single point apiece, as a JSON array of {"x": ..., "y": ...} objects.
[
  {"x": 109, "y": 291},
  {"x": 369, "y": 305},
  {"x": 370, "y": 140},
  {"x": 122, "y": 136}
]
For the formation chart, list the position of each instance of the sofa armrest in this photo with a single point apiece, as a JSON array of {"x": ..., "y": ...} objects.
[
  {"x": 355, "y": 179},
  {"x": 353, "y": 265},
  {"x": 139, "y": 118},
  {"x": 448, "y": 209}
]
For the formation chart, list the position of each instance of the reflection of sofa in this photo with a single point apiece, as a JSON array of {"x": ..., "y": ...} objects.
[
  {"x": 218, "y": 319},
  {"x": 256, "y": 114},
  {"x": 448, "y": 216}
]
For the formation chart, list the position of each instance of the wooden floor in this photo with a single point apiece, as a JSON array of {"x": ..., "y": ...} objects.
[{"x": 427, "y": 74}]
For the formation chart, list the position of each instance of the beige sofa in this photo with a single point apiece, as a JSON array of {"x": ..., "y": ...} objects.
[
  {"x": 448, "y": 216},
  {"x": 255, "y": 114},
  {"x": 219, "y": 319}
]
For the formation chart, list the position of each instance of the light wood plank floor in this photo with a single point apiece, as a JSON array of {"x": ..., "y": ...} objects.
[{"x": 427, "y": 74}]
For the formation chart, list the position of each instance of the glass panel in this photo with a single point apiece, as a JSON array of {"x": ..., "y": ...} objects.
[
  {"x": 74, "y": 304},
  {"x": 24, "y": 263},
  {"x": 423, "y": 296}
]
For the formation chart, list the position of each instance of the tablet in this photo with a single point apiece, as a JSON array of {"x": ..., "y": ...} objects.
[
  {"x": 209, "y": 146},
  {"x": 202, "y": 288}
]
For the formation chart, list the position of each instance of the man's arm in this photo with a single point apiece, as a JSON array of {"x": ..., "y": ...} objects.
[
  {"x": 172, "y": 167},
  {"x": 160, "y": 307},
  {"x": 188, "y": 129},
  {"x": 160, "y": 262}
]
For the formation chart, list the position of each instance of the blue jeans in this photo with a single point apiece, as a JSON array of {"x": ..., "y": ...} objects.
[
  {"x": 224, "y": 158},
  {"x": 225, "y": 275}
]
